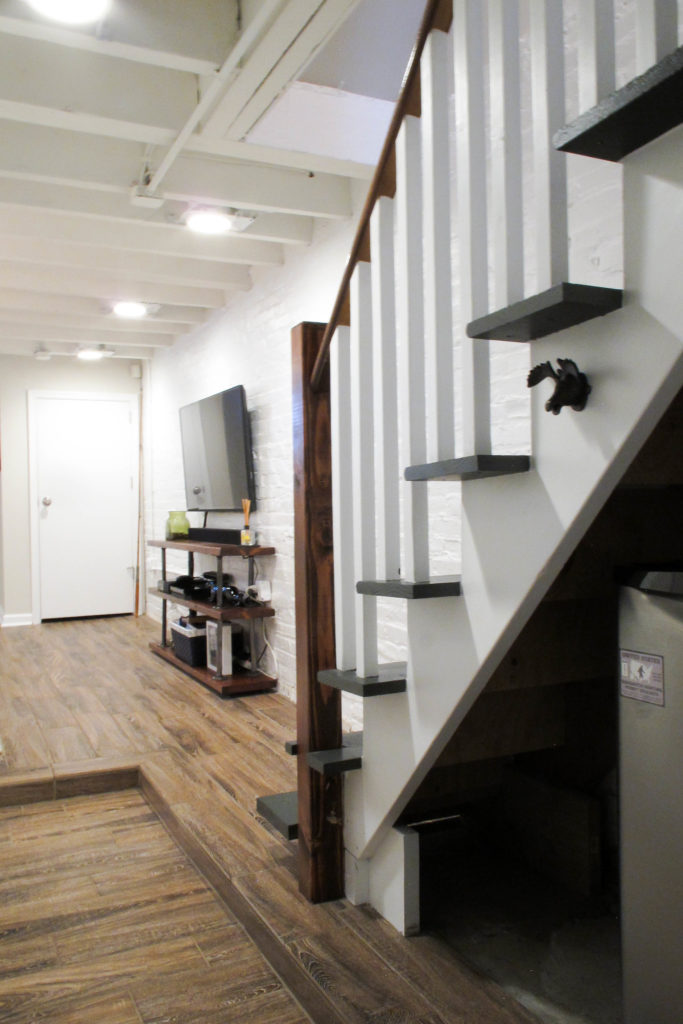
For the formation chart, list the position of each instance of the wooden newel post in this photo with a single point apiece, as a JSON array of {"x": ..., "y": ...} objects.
[{"x": 320, "y": 846}]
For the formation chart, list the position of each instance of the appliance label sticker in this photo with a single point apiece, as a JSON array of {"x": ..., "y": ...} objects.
[{"x": 642, "y": 677}]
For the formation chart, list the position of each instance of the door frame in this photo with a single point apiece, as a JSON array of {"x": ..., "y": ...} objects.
[{"x": 132, "y": 398}]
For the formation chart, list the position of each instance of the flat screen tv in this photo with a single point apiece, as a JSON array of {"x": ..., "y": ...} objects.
[{"x": 217, "y": 455}]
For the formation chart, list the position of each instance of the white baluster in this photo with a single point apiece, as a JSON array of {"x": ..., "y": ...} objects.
[
  {"x": 656, "y": 31},
  {"x": 384, "y": 382},
  {"x": 596, "y": 54},
  {"x": 506, "y": 153},
  {"x": 435, "y": 90},
  {"x": 342, "y": 487},
  {"x": 362, "y": 448},
  {"x": 550, "y": 166},
  {"x": 410, "y": 338},
  {"x": 468, "y": 56}
]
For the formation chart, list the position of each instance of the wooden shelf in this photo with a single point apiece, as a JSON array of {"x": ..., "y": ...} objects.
[
  {"x": 629, "y": 118},
  {"x": 248, "y": 680},
  {"x": 213, "y": 550},
  {"x": 229, "y": 686},
  {"x": 226, "y": 613},
  {"x": 437, "y": 586},
  {"x": 469, "y": 467},
  {"x": 562, "y": 306},
  {"x": 390, "y": 678}
]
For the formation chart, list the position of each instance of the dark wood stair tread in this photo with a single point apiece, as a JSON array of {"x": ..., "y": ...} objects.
[
  {"x": 564, "y": 305},
  {"x": 641, "y": 111},
  {"x": 469, "y": 467},
  {"x": 437, "y": 586},
  {"x": 390, "y": 678},
  {"x": 348, "y": 758},
  {"x": 282, "y": 811}
]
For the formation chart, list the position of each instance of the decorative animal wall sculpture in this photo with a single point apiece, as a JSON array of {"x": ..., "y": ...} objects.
[{"x": 571, "y": 386}]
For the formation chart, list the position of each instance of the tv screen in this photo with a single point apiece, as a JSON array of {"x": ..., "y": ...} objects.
[{"x": 217, "y": 455}]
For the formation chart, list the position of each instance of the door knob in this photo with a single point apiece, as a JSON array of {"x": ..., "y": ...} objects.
[
  {"x": 196, "y": 490},
  {"x": 47, "y": 501}
]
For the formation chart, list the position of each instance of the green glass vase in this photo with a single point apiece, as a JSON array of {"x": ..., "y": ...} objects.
[{"x": 177, "y": 526}]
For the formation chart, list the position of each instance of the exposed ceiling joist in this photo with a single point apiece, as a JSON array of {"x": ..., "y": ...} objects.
[{"x": 112, "y": 133}]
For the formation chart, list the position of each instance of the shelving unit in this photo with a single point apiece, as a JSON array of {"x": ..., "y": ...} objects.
[{"x": 247, "y": 680}]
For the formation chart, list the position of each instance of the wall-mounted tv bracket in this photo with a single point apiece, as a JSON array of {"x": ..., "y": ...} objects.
[{"x": 571, "y": 386}]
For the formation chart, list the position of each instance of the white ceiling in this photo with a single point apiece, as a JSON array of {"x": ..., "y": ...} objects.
[{"x": 108, "y": 134}]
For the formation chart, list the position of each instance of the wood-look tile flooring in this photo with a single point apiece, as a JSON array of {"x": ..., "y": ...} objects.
[{"x": 84, "y": 696}]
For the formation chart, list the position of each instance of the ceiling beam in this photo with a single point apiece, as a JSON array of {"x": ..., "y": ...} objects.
[
  {"x": 194, "y": 36},
  {"x": 50, "y": 333},
  {"x": 84, "y": 306},
  {"x": 53, "y": 155},
  {"x": 137, "y": 237},
  {"x": 203, "y": 273},
  {"x": 106, "y": 287},
  {"x": 106, "y": 321},
  {"x": 32, "y": 74},
  {"x": 18, "y": 347},
  {"x": 283, "y": 228}
]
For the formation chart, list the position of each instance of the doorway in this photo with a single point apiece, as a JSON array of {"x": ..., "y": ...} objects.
[{"x": 83, "y": 454}]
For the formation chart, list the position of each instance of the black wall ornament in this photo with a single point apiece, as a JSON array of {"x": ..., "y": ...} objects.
[{"x": 571, "y": 386}]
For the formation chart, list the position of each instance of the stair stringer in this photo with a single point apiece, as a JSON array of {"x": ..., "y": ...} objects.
[{"x": 518, "y": 531}]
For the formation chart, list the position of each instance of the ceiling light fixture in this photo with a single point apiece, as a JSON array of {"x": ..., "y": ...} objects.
[
  {"x": 130, "y": 310},
  {"x": 94, "y": 352},
  {"x": 42, "y": 354},
  {"x": 207, "y": 221},
  {"x": 71, "y": 12}
]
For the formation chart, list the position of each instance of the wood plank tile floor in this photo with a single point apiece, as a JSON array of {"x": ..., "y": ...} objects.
[{"x": 84, "y": 706}]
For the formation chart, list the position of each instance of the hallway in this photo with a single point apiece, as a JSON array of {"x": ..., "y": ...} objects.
[{"x": 85, "y": 707}]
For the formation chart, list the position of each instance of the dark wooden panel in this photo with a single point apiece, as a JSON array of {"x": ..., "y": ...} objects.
[
  {"x": 437, "y": 586},
  {"x": 470, "y": 467},
  {"x": 282, "y": 811},
  {"x": 320, "y": 847},
  {"x": 336, "y": 762},
  {"x": 564, "y": 305},
  {"x": 645, "y": 108},
  {"x": 390, "y": 678}
]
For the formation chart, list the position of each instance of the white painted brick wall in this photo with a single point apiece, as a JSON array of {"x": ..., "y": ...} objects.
[{"x": 249, "y": 343}]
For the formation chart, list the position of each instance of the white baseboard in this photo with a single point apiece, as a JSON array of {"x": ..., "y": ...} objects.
[{"x": 17, "y": 619}]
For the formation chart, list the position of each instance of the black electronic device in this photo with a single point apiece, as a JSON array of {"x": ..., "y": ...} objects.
[{"x": 217, "y": 455}]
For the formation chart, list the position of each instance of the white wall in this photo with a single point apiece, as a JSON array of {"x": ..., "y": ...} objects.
[
  {"x": 18, "y": 375},
  {"x": 248, "y": 343}
]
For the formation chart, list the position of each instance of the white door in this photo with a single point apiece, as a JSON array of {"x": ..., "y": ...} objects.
[{"x": 84, "y": 452}]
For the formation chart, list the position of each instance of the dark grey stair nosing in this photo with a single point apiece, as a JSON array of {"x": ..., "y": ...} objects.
[
  {"x": 390, "y": 678},
  {"x": 470, "y": 467},
  {"x": 336, "y": 762},
  {"x": 645, "y": 108},
  {"x": 562, "y": 306},
  {"x": 282, "y": 811},
  {"x": 437, "y": 586}
]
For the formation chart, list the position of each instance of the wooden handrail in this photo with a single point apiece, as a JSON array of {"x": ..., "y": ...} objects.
[{"x": 437, "y": 15}]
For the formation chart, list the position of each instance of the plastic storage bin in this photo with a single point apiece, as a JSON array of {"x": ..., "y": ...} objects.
[{"x": 189, "y": 644}]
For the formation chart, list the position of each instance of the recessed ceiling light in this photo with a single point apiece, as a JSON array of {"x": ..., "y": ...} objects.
[
  {"x": 72, "y": 12},
  {"x": 208, "y": 222},
  {"x": 130, "y": 310},
  {"x": 94, "y": 352}
]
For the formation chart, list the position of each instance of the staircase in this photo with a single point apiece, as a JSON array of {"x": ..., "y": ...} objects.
[{"x": 436, "y": 274}]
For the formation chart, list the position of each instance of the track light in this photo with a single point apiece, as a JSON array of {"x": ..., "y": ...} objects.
[
  {"x": 130, "y": 310},
  {"x": 207, "y": 221},
  {"x": 71, "y": 12},
  {"x": 94, "y": 352}
]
